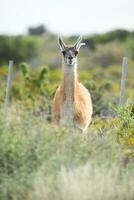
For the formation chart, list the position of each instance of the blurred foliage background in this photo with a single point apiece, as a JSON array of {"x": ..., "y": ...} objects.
[{"x": 37, "y": 70}]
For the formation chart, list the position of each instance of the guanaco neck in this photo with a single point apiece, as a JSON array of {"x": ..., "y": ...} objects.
[{"x": 69, "y": 81}]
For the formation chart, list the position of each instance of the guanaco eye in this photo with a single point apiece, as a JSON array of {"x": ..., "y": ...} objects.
[
  {"x": 63, "y": 52},
  {"x": 76, "y": 52}
]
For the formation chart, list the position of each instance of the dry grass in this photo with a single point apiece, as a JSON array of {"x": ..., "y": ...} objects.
[
  {"x": 86, "y": 182},
  {"x": 45, "y": 162}
]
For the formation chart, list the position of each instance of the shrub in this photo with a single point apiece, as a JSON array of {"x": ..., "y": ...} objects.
[
  {"x": 17, "y": 48},
  {"x": 130, "y": 46}
]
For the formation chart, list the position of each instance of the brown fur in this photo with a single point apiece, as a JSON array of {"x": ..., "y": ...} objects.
[
  {"x": 81, "y": 106},
  {"x": 72, "y": 100}
]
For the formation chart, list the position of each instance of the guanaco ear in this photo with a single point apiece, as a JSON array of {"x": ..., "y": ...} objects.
[
  {"x": 61, "y": 44},
  {"x": 78, "y": 44}
]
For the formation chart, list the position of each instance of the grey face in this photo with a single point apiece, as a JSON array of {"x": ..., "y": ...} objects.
[
  {"x": 70, "y": 52},
  {"x": 70, "y": 55}
]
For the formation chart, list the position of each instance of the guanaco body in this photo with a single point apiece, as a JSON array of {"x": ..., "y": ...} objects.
[{"x": 72, "y": 101}]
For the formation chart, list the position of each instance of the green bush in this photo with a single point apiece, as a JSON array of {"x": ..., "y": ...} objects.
[
  {"x": 17, "y": 48},
  {"x": 100, "y": 103},
  {"x": 103, "y": 38},
  {"x": 130, "y": 46},
  {"x": 126, "y": 122}
]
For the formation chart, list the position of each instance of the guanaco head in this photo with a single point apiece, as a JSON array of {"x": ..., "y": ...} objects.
[{"x": 70, "y": 52}]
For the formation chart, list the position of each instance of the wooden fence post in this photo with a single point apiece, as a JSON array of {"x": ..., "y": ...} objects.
[
  {"x": 123, "y": 81},
  {"x": 8, "y": 87}
]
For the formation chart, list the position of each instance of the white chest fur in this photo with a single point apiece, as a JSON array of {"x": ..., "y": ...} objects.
[{"x": 66, "y": 111}]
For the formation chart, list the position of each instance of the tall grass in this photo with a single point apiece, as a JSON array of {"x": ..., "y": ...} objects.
[{"x": 39, "y": 160}]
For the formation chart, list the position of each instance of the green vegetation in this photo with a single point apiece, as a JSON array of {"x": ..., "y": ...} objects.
[
  {"x": 40, "y": 160},
  {"x": 119, "y": 35},
  {"x": 18, "y": 48},
  {"x": 101, "y": 49}
]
